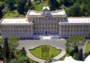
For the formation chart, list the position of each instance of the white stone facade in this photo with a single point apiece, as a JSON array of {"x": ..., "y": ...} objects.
[{"x": 45, "y": 22}]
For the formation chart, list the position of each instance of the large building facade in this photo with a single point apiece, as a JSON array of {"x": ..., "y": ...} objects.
[{"x": 46, "y": 22}]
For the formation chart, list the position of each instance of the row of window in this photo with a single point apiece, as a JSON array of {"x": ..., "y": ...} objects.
[
  {"x": 16, "y": 27},
  {"x": 67, "y": 35},
  {"x": 46, "y": 24},
  {"x": 83, "y": 30},
  {"x": 48, "y": 18},
  {"x": 46, "y": 28},
  {"x": 16, "y": 30},
  {"x": 74, "y": 26}
]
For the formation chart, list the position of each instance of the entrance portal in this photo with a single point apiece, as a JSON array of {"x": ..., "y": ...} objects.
[{"x": 45, "y": 32}]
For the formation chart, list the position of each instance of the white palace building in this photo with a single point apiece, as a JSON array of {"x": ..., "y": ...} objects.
[{"x": 45, "y": 23}]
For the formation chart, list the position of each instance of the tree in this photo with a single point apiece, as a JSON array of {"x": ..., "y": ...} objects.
[
  {"x": 23, "y": 51},
  {"x": 75, "y": 56},
  {"x": 88, "y": 9},
  {"x": 6, "y": 49},
  {"x": 21, "y": 7},
  {"x": 11, "y": 5},
  {"x": 75, "y": 41},
  {"x": 1, "y": 13},
  {"x": 75, "y": 10},
  {"x": 75, "y": 49},
  {"x": 1, "y": 41},
  {"x": 13, "y": 42},
  {"x": 29, "y": 3},
  {"x": 80, "y": 57},
  {"x": 82, "y": 9},
  {"x": 53, "y": 4},
  {"x": 14, "y": 61}
]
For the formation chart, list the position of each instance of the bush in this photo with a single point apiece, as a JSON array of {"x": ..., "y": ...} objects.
[
  {"x": 75, "y": 56},
  {"x": 23, "y": 51}
]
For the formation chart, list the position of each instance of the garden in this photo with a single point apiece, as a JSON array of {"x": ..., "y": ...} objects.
[
  {"x": 45, "y": 52},
  {"x": 10, "y": 54},
  {"x": 88, "y": 47}
]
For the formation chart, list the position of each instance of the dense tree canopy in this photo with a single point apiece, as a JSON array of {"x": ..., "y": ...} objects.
[
  {"x": 1, "y": 41},
  {"x": 72, "y": 7},
  {"x": 53, "y": 4},
  {"x": 75, "y": 41},
  {"x": 13, "y": 42}
]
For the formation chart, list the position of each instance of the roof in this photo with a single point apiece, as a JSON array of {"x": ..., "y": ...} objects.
[
  {"x": 76, "y": 21},
  {"x": 79, "y": 20},
  {"x": 15, "y": 21},
  {"x": 46, "y": 7},
  {"x": 70, "y": 21},
  {"x": 71, "y": 60},
  {"x": 53, "y": 13}
]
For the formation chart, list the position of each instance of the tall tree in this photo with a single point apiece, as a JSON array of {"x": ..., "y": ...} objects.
[
  {"x": 13, "y": 42},
  {"x": 21, "y": 7},
  {"x": 80, "y": 57},
  {"x": 75, "y": 41},
  {"x": 1, "y": 41},
  {"x": 88, "y": 9},
  {"x": 53, "y": 4},
  {"x": 75, "y": 10},
  {"x": 6, "y": 49},
  {"x": 11, "y": 5},
  {"x": 29, "y": 3},
  {"x": 1, "y": 13}
]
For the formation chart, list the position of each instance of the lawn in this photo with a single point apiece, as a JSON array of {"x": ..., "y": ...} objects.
[
  {"x": 39, "y": 6},
  {"x": 88, "y": 47},
  {"x": 52, "y": 52},
  {"x": 13, "y": 14}
]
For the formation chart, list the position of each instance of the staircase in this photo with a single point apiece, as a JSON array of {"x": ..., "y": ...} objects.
[
  {"x": 45, "y": 37},
  {"x": 48, "y": 37}
]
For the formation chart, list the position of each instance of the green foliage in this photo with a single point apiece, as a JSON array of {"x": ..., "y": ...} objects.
[
  {"x": 72, "y": 7},
  {"x": 1, "y": 13},
  {"x": 23, "y": 51},
  {"x": 74, "y": 10},
  {"x": 21, "y": 58},
  {"x": 80, "y": 56},
  {"x": 1, "y": 41},
  {"x": 38, "y": 52},
  {"x": 11, "y": 5},
  {"x": 87, "y": 50},
  {"x": 14, "y": 61},
  {"x": 53, "y": 4},
  {"x": 45, "y": 51},
  {"x": 75, "y": 56},
  {"x": 13, "y": 42},
  {"x": 21, "y": 8},
  {"x": 13, "y": 14},
  {"x": 6, "y": 49},
  {"x": 75, "y": 41}
]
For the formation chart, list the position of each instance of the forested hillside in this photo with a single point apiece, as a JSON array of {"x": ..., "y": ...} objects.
[{"x": 18, "y": 8}]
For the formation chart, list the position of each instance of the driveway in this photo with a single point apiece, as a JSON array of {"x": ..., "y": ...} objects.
[{"x": 30, "y": 44}]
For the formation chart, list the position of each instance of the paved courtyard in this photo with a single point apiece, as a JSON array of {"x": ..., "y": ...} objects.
[{"x": 30, "y": 44}]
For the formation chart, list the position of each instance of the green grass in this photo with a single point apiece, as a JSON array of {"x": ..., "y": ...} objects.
[
  {"x": 88, "y": 47},
  {"x": 37, "y": 52},
  {"x": 39, "y": 6},
  {"x": 14, "y": 14}
]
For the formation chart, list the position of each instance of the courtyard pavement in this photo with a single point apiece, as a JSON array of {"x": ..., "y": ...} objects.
[{"x": 30, "y": 44}]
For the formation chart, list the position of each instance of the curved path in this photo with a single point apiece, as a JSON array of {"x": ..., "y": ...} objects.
[
  {"x": 30, "y": 44},
  {"x": 33, "y": 57}
]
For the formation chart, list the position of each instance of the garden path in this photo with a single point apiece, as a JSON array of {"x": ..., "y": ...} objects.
[{"x": 30, "y": 44}]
